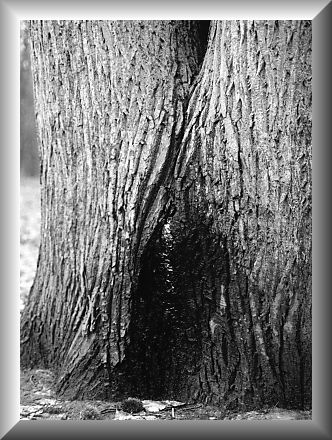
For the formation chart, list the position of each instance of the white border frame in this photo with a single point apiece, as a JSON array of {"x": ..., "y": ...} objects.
[{"x": 11, "y": 12}]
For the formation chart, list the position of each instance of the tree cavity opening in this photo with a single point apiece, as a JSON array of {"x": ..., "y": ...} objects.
[{"x": 176, "y": 296}]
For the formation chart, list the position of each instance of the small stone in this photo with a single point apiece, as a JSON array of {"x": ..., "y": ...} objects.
[{"x": 132, "y": 406}]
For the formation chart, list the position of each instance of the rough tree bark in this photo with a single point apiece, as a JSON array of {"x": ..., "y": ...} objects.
[
  {"x": 110, "y": 99},
  {"x": 175, "y": 254},
  {"x": 245, "y": 162}
]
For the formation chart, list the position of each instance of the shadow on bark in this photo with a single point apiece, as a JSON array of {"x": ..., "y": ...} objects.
[
  {"x": 194, "y": 333},
  {"x": 173, "y": 304}
]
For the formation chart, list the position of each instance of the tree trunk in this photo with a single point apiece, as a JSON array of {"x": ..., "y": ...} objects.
[
  {"x": 110, "y": 101},
  {"x": 175, "y": 255},
  {"x": 244, "y": 179}
]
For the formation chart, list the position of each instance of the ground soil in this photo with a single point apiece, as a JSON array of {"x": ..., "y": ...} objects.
[{"x": 39, "y": 402}]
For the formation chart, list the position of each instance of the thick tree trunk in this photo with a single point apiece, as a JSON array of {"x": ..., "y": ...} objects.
[
  {"x": 245, "y": 166},
  {"x": 175, "y": 254},
  {"x": 110, "y": 101}
]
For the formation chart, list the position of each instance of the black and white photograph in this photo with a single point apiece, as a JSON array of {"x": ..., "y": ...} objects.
[
  {"x": 165, "y": 221},
  {"x": 174, "y": 255}
]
